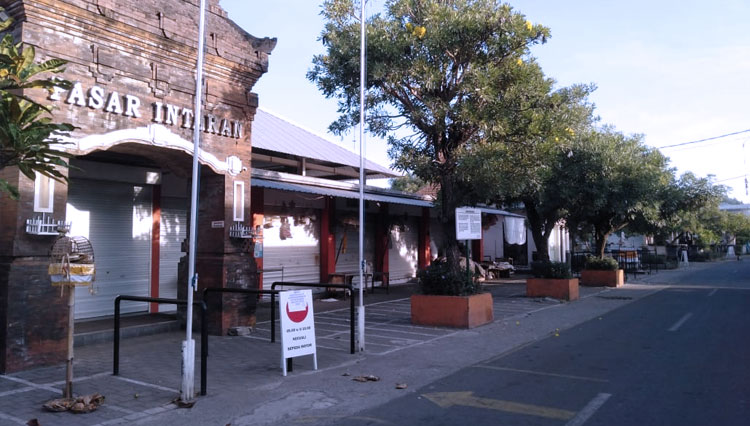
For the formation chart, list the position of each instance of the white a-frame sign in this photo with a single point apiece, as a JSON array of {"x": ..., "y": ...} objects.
[{"x": 297, "y": 326}]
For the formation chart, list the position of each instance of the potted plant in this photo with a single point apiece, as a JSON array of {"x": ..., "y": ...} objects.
[
  {"x": 552, "y": 279},
  {"x": 602, "y": 272},
  {"x": 449, "y": 298}
]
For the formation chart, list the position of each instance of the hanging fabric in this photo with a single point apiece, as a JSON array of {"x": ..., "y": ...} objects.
[{"x": 515, "y": 230}]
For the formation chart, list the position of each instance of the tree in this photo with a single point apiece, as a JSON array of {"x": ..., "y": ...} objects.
[
  {"x": 27, "y": 133},
  {"x": 407, "y": 183},
  {"x": 517, "y": 168},
  {"x": 440, "y": 71},
  {"x": 620, "y": 182},
  {"x": 689, "y": 204}
]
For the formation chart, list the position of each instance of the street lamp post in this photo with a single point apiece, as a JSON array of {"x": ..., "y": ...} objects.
[
  {"x": 187, "y": 390},
  {"x": 362, "y": 74}
]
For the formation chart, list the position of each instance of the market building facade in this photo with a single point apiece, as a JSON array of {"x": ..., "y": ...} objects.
[{"x": 132, "y": 64}]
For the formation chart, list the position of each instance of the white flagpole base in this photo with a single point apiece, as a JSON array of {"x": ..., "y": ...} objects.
[
  {"x": 361, "y": 327},
  {"x": 187, "y": 391}
]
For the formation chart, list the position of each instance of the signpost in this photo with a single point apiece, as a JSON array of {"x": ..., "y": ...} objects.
[
  {"x": 297, "y": 326},
  {"x": 468, "y": 227}
]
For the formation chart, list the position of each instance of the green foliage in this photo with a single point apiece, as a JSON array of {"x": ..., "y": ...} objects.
[
  {"x": 440, "y": 279},
  {"x": 445, "y": 73},
  {"x": 547, "y": 269},
  {"x": 408, "y": 183},
  {"x": 601, "y": 264},
  {"x": 610, "y": 181},
  {"x": 27, "y": 134}
]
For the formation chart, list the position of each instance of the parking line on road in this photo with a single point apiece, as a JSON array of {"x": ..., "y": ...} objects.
[
  {"x": 138, "y": 382},
  {"x": 15, "y": 420},
  {"x": 679, "y": 323},
  {"x": 589, "y": 410},
  {"x": 542, "y": 373},
  {"x": 713, "y": 292}
]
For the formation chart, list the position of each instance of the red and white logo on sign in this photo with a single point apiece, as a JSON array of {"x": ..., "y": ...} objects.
[{"x": 297, "y": 316}]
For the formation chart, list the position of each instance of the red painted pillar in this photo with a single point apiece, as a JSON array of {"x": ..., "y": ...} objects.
[
  {"x": 155, "y": 245},
  {"x": 327, "y": 241},
  {"x": 423, "y": 246},
  {"x": 382, "y": 235},
  {"x": 257, "y": 201}
]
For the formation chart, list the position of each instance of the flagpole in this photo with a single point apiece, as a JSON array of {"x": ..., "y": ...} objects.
[
  {"x": 361, "y": 307},
  {"x": 187, "y": 390}
]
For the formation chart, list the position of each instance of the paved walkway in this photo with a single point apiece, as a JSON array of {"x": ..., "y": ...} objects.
[{"x": 240, "y": 366}]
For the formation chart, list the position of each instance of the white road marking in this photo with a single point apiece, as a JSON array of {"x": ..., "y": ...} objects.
[
  {"x": 15, "y": 420},
  {"x": 679, "y": 323},
  {"x": 589, "y": 410},
  {"x": 542, "y": 373},
  {"x": 138, "y": 382},
  {"x": 713, "y": 292}
]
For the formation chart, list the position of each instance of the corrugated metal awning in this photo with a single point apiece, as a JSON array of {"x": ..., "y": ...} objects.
[
  {"x": 498, "y": 212},
  {"x": 341, "y": 193}
]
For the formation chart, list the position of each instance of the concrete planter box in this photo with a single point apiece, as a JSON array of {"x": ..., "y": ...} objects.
[
  {"x": 590, "y": 277},
  {"x": 556, "y": 288},
  {"x": 452, "y": 311}
]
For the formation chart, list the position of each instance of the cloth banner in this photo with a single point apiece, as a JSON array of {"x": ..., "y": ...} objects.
[{"x": 515, "y": 230}]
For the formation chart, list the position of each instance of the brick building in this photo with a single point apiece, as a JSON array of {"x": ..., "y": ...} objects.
[{"x": 133, "y": 65}]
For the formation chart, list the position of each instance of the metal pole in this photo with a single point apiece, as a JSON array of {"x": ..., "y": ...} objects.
[
  {"x": 362, "y": 76},
  {"x": 187, "y": 391},
  {"x": 68, "y": 389}
]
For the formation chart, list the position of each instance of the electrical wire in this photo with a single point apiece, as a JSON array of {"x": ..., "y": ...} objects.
[{"x": 704, "y": 140}]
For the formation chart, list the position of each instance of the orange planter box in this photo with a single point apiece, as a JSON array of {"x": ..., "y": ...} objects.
[
  {"x": 590, "y": 277},
  {"x": 452, "y": 311},
  {"x": 556, "y": 288}
]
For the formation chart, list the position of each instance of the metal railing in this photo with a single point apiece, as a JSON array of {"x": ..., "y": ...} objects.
[
  {"x": 204, "y": 332},
  {"x": 244, "y": 291},
  {"x": 314, "y": 285}
]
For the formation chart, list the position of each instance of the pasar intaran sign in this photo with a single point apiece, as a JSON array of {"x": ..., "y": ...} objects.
[{"x": 97, "y": 98}]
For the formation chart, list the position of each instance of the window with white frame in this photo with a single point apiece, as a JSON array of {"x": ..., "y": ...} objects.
[
  {"x": 239, "y": 201},
  {"x": 44, "y": 193}
]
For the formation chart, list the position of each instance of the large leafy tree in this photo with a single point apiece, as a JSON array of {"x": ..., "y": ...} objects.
[
  {"x": 620, "y": 182},
  {"x": 686, "y": 205},
  {"x": 27, "y": 133},
  {"x": 518, "y": 168},
  {"x": 440, "y": 74}
]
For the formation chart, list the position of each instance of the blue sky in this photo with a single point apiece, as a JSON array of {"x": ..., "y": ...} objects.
[{"x": 675, "y": 71}]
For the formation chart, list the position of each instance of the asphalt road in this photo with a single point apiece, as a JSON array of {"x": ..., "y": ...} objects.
[{"x": 678, "y": 357}]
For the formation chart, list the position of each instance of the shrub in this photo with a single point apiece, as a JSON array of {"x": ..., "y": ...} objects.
[
  {"x": 601, "y": 264},
  {"x": 545, "y": 269},
  {"x": 440, "y": 279}
]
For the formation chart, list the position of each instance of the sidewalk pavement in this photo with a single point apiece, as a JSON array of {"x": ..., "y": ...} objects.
[{"x": 245, "y": 384}]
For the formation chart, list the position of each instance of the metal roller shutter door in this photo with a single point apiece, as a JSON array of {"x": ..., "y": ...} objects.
[
  {"x": 297, "y": 251},
  {"x": 116, "y": 218},
  {"x": 173, "y": 231}
]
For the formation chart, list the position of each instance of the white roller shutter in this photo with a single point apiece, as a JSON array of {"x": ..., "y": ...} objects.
[
  {"x": 173, "y": 231},
  {"x": 116, "y": 218},
  {"x": 403, "y": 251},
  {"x": 293, "y": 245}
]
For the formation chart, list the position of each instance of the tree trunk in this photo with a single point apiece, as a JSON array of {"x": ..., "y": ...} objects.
[
  {"x": 538, "y": 231},
  {"x": 447, "y": 220},
  {"x": 601, "y": 242}
]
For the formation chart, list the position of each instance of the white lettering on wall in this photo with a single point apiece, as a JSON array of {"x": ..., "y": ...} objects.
[
  {"x": 76, "y": 96},
  {"x": 113, "y": 103},
  {"x": 96, "y": 97},
  {"x": 225, "y": 129},
  {"x": 158, "y": 112},
  {"x": 172, "y": 113},
  {"x": 211, "y": 126},
  {"x": 237, "y": 126},
  {"x": 132, "y": 105}
]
